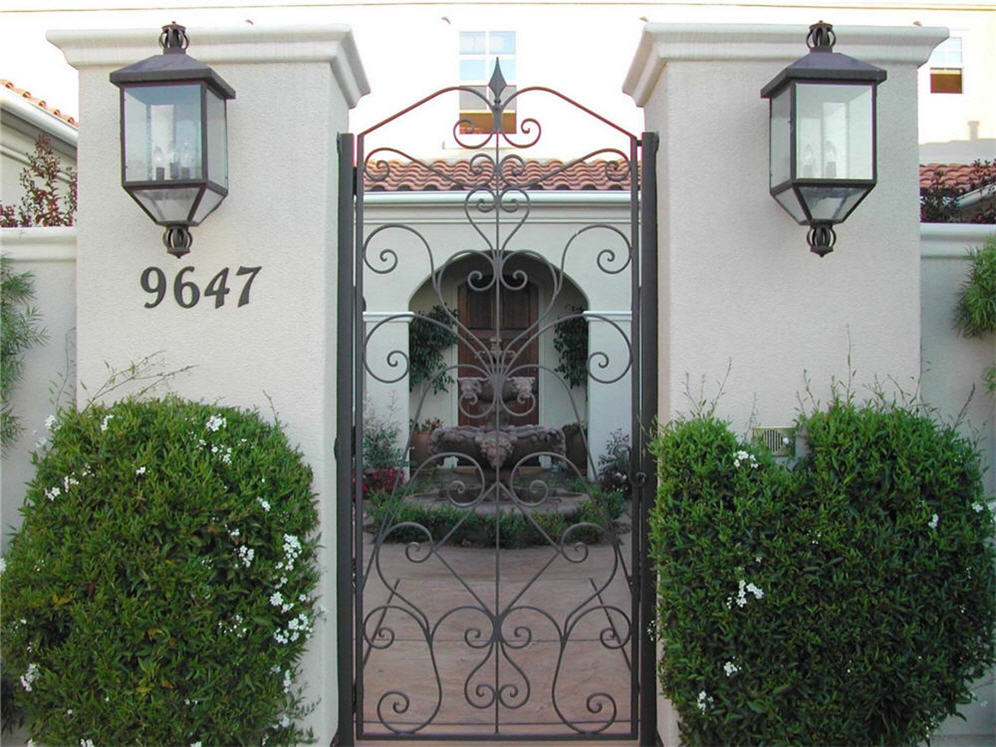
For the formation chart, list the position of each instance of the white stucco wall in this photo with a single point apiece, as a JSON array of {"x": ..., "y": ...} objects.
[
  {"x": 49, "y": 375},
  {"x": 952, "y": 365},
  {"x": 280, "y": 215},
  {"x": 740, "y": 289}
]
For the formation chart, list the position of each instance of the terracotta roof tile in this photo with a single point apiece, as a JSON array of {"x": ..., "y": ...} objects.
[
  {"x": 546, "y": 175},
  {"x": 956, "y": 175},
  {"x": 40, "y": 103}
]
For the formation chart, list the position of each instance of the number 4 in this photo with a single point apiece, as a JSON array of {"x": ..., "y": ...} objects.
[
  {"x": 251, "y": 272},
  {"x": 218, "y": 287}
]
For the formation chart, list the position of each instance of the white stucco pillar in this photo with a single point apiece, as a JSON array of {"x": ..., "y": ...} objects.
[
  {"x": 294, "y": 87},
  {"x": 738, "y": 285},
  {"x": 609, "y": 397}
]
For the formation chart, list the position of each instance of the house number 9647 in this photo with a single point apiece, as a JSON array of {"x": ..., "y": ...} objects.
[{"x": 187, "y": 293}]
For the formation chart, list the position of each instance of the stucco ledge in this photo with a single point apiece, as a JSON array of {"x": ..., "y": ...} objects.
[
  {"x": 661, "y": 43},
  {"x": 333, "y": 43}
]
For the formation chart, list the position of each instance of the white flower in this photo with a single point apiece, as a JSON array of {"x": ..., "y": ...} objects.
[
  {"x": 978, "y": 507},
  {"x": 29, "y": 676},
  {"x": 3, "y": 565},
  {"x": 53, "y": 493},
  {"x": 742, "y": 591},
  {"x": 140, "y": 470},
  {"x": 246, "y": 554},
  {"x": 730, "y": 668},
  {"x": 195, "y": 744},
  {"x": 287, "y": 680},
  {"x": 744, "y": 456},
  {"x": 234, "y": 533},
  {"x": 703, "y": 701},
  {"x": 215, "y": 422},
  {"x": 933, "y": 521},
  {"x": 50, "y": 421},
  {"x": 69, "y": 711},
  {"x": 276, "y": 599},
  {"x": 284, "y": 721},
  {"x": 104, "y": 422},
  {"x": 41, "y": 443},
  {"x": 264, "y": 503},
  {"x": 86, "y": 743}
]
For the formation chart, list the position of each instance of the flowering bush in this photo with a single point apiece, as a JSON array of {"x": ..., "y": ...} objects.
[
  {"x": 851, "y": 600},
  {"x": 161, "y": 587}
]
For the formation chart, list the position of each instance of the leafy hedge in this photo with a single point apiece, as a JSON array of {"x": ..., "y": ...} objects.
[
  {"x": 161, "y": 587},
  {"x": 849, "y": 601}
]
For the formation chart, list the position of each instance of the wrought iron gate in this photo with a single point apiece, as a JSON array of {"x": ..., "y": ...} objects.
[{"x": 489, "y": 586}]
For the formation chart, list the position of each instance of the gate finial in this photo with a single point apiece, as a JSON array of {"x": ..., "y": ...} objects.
[{"x": 497, "y": 83}]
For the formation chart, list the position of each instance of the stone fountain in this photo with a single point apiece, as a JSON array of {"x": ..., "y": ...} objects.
[{"x": 497, "y": 449}]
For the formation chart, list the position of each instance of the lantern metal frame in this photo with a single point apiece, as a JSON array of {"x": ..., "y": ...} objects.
[
  {"x": 174, "y": 67},
  {"x": 821, "y": 66}
]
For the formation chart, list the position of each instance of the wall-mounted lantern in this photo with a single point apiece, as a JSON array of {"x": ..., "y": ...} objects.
[
  {"x": 822, "y": 136},
  {"x": 174, "y": 137}
]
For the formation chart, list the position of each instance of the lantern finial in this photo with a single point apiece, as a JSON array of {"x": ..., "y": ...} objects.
[
  {"x": 173, "y": 39},
  {"x": 821, "y": 37}
]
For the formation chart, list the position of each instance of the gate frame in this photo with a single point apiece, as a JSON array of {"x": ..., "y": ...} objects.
[{"x": 644, "y": 330}]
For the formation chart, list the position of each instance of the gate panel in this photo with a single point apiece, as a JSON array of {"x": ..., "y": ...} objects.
[{"x": 496, "y": 583}]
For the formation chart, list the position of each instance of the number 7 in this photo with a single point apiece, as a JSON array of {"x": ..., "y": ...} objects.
[{"x": 251, "y": 272}]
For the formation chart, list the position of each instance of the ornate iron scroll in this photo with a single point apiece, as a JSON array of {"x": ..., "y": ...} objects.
[{"x": 459, "y": 631}]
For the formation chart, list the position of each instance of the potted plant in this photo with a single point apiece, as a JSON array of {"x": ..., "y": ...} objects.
[{"x": 421, "y": 432}]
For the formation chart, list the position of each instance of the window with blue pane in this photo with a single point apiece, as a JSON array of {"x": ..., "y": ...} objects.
[{"x": 478, "y": 53}]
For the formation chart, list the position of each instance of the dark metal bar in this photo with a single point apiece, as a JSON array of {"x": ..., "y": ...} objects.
[
  {"x": 356, "y": 263},
  {"x": 343, "y": 444},
  {"x": 648, "y": 412}
]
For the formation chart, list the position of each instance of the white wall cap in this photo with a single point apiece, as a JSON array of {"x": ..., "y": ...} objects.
[
  {"x": 35, "y": 115},
  {"x": 952, "y": 240},
  {"x": 39, "y": 243},
  {"x": 661, "y": 43},
  {"x": 333, "y": 43}
]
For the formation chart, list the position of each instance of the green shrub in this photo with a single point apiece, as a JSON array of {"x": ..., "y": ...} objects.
[
  {"x": 161, "y": 587},
  {"x": 20, "y": 332},
  {"x": 975, "y": 312},
  {"x": 849, "y": 601}
]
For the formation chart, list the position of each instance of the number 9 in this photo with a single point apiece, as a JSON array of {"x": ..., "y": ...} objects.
[{"x": 158, "y": 287}]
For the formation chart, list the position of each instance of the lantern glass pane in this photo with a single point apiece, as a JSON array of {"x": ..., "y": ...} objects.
[
  {"x": 168, "y": 206},
  {"x": 217, "y": 139},
  {"x": 788, "y": 200},
  {"x": 834, "y": 131},
  {"x": 780, "y": 148},
  {"x": 831, "y": 204},
  {"x": 208, "y": 203},
  {"x": 162, "y": 132}
]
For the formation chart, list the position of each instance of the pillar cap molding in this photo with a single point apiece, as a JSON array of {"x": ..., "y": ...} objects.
[
  {"x": 662, "y": 43},
  {"x": 333, "y": 44}
]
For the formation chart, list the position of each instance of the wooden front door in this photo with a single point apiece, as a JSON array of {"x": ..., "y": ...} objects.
[{"x": 505, "y": 318}]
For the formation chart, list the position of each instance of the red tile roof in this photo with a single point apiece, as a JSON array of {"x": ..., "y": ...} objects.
[
  {"x": 956, "y": 175},
  {"x": 551, "y": 175},
  {"x": 40, "y": 103},
  {"x": 442, "y": 175}
]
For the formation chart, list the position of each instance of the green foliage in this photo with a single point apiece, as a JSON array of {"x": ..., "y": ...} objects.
[
  {"x": 570, "y": 340},
  {"x": 161, "y": 588},
  {"x": 975, "y": 313},
  {"x": 41, "y": 204},
  {"x": 614, "y": 464},
  {"x": 380, "y": 442},
  {"x": 20, "y": 332},
  {"x": 429, "y": 334},
  {"x": 849, "y": 601},
  {"x": 512, "y": 529}
]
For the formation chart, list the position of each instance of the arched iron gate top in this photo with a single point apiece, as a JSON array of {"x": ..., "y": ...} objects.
[{"x": 373, "y": 600}]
